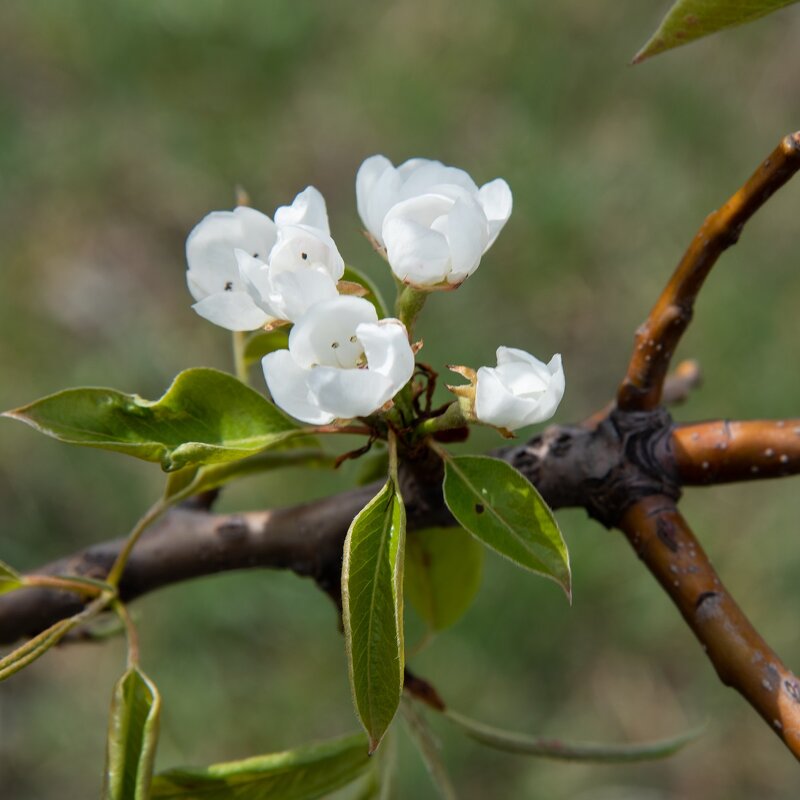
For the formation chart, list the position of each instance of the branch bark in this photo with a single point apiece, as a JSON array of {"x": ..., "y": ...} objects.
[
  {"x": 660, "y": 333},
  {"x": 722, "y": 452},
  {"x": 743, "y": 660}
]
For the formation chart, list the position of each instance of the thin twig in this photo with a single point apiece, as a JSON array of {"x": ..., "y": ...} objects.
[
  {"x": 660, "y": 333},
  {"x": 722, "y": 452},
  {"x": 743, "y": 660}
]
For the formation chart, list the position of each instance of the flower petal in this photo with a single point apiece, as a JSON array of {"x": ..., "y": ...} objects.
[
  {"x": 467, "y": 234},
  {"x": 308, "y": 208},
  {"x": 496, "y": 200},
  {"x": 417, "y": 254},
  {"x": 326, "y": 333},
  {"x": 388, "y": 352},
  {"x": 420, "y": 175},
  {"x": 377, "y": 190},
  {"x": 294, "y": 293},
  {"x": 235, "y": 311},
  {"x": 210, "y": 246},
  {"x": 300, "y": 247},
  {"x": 288, "y": 384},
  {"x": 348, "y": 393}
]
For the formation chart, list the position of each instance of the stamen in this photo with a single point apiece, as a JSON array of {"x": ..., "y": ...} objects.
[
  {"x": 304, "y": 256},
  {"x": 334, "y": 345},
  {"x": 229, "y": 286}
]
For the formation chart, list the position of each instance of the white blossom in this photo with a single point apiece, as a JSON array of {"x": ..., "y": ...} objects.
[
  {"x": 342, "y": 362},
  {"x": 246, "y": 271},
  {"x": 520, "y": 391},
  {"x": 433, "y": 220}
]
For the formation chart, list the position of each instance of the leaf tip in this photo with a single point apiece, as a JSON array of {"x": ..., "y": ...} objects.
[{"x": 373, "y": 744}]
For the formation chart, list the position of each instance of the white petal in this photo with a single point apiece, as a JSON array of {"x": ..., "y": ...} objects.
[
  {"x": 495, "y": 405},
  {"x": 420, "y": 176},
  {"x": 301, "y": 247},
  {"x": 416, "y": 254},
  {"x": 467, "y": 234},
  {"x": 235, "y": 311},
  {"x": 294, "y": 293},
  {"x": 347, "y": 393},
  {"x": 495, "y": 198},
  {"x": 388, "y": 352},
  {"x": 288, "y": 384},
  {"x": 210, "y": 246},
  {"x": 308, "y": 208},
  {"x": 377, "y": 186},
  {"x": 326, "y": 334},
  {"x": 253, "y": 273}
]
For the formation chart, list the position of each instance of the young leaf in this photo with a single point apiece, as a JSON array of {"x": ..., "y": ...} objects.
[
  {"x": 132, "y": 738},
  {"x": 301, "y": 774},
  {"x": 372, "y": 600},
  {"x": 442, "y": 574},
  {"x": 570, "y": 751},
  {"x": 373, "y": 293},
  {"x": 688, "y": 20},
  {"x": 34, "y": 648},
  {"x": 205, "y": 417},
  {"x": 10, "y": 579},
  {"x": 499, "y": 506},
  {"x": 262, "y": 342}
]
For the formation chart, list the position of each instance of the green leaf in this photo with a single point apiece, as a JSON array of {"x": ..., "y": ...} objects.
[
  {"x": 442, "y": 574},
  {"x": 373, "y": 293},
  {"x": 10, "y": 579},
  {"x": 429, "y": 750},
  {"x": 372, "y": 599},
  {"x": 262, "y": 342},
  {"x": 570, "y": 751},
  {"x": 34, "y": 648},
  {"x": 688, "y": 20},
  {"x": 205, "y": 417},
  {"x": 301, "y": 774},
  {"x": 499, "y": 506},
  {"x": 192, "y": 481},
  {"x": 132, "y": 738}
]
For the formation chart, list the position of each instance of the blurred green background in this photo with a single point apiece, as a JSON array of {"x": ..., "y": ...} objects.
[{"x": 123, "y": 122}]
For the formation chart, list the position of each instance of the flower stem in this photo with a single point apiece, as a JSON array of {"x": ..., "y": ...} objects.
[
  {"x": 150, "y": 516},
  {"x": 409, "y": 303},
  {"x": 240, "y": 365},
  {"x": 453, "y": 417},
  {"x": 131, "y": 633}
]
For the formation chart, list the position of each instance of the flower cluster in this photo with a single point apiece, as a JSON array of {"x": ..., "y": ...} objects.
[{"x": 432, "y": 223}]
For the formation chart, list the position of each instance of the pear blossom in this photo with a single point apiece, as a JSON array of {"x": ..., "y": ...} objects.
[
  {"x": 520, "y": 391},
  {"x": 246, "y": 271},
  {"x": 433, "y": 220},
  {"x": 342, "y": 362}
]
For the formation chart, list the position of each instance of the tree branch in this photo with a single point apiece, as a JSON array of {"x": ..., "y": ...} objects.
[
  {"x": 660, "y": 333},
  {"x": 721, "y": 451},
  {"x": 743, "y": 660}
]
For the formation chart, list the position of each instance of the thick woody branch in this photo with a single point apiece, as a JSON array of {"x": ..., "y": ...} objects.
[
  {"x": 722, "y": 452},
  {"x": 660, "y": 333},
  {"x": 743, "y": 660}
]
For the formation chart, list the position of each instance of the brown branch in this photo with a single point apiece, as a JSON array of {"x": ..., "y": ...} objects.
[
  {"x": 722, "y": 452},
  {"x": 660, "y": 333},
  {"x": 743, "y": 660}
]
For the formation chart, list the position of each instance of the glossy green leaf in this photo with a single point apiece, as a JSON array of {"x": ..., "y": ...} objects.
[
  {"x": 205, "y": 417},
  {"x": 373, "y": 293},
  {"x": 301, "y": 774},
  {"x": 688, "y": 20},
  {"x": 442, "y": 573},
  {"x": 372, "y": 599},
  {"x": 571, "y": 751},
  {"x": 132, "y": 738},
  {"x": 262, "y": 342},
  {"x": 499, "y": 506},
  {"x": 429, "y": 750},
  {"x": 10, "y": 579}
]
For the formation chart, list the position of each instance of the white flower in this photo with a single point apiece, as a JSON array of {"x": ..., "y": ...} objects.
[
  {"x": 520, "y": 391},
  {"x": 341, "y": 362},
  {"x": 433, "y": 220},
  {"x": 246, "y": 271}
]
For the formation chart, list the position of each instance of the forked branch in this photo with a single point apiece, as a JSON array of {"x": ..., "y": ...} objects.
[{"x": 660, "y": 333}]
